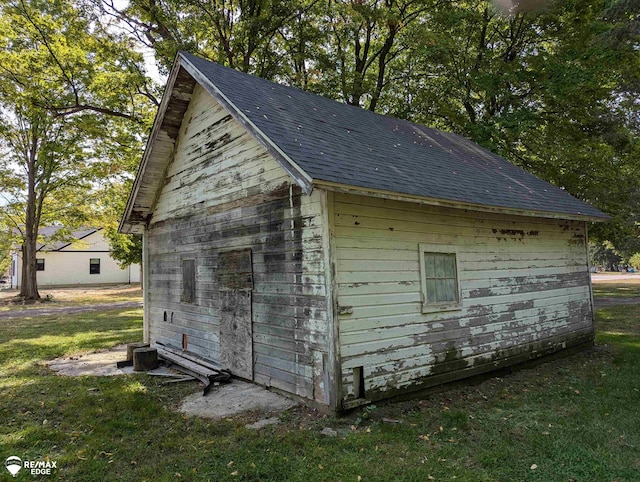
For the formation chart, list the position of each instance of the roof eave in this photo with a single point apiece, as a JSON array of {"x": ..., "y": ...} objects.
[
  {"x": 396, "y": 196},
  {"x": 126, "y": 225}
]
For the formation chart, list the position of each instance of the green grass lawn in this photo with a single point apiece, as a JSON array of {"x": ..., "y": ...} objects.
[
  {"x": 616, "y": 290},
  {"x": 573, "y": 419},
  {"x": 75, "y": 296}
]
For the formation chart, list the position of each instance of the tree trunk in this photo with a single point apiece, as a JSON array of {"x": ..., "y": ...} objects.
[{"x": 29, "y": 286}]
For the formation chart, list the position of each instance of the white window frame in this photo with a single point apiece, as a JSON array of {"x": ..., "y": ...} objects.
[{"x": 433, "y": 307}]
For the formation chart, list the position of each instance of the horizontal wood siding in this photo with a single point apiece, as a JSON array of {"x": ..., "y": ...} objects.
[
  {"x": 524, "y": 286},
  {"x": 223, "y": 192}
]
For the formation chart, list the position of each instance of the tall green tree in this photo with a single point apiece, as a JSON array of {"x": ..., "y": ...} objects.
[
  {"x": 550, "y": 85},
  {"x": 243, "y": 34},
  {"x": 74, "y": 101},
  {"x": 549, "y": 89}
]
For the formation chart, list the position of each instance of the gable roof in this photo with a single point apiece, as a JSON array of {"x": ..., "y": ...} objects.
[
  {"x": 321, "y": 142},
  {"x": 51, "y": 245},
  {"x": 60, "y": 245}
]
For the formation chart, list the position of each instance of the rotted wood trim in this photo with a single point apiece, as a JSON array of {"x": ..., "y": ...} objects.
[
  {"x": 289, "y": 165},
  {"x": 329, "y": 248},
  {"x": 512, "y": 358},
  {"x": 146, "y": 317},
  {"x": 586, "y": 251},
  {"x": 364, "y": 191},
  {"x": 126, "y": 224}
]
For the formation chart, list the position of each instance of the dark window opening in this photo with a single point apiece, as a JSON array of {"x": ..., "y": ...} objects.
[
  {"x": 39, "y": 264},
  {"x": 188, "y": 280},
  {"x": 358, "y": 382},
  {"x": 94, "y": 266}
]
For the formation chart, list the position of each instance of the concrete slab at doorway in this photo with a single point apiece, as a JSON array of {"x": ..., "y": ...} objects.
[
  {"x": 222, "y": 401},
  {"x": 234, "y": 398}
]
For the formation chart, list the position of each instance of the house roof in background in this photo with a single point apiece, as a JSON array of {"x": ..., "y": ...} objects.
[
  {"x": 323, "y": 142},
  {"x": 48, "y": 231}
]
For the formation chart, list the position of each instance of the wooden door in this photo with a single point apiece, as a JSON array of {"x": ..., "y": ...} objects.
[{"x": 235, "y": 282}]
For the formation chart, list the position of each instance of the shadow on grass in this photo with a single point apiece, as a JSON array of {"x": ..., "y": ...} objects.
[
  {"x": 70, "y": 325},
  {"x": 95, "y": 428},
  {"x": 29, "y": 342},
  {"x": 574, "y": 419}
]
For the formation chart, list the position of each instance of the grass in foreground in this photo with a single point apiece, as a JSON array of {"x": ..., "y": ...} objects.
[
  {"x": 573, "y": 419},
  {"x": 62, "y": 297}
]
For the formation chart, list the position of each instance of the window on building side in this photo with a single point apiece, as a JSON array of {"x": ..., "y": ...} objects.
[
  {"x": 439, "y": 278},
  {"x": 188, "y": 280},
  {"x": 94, "y": 266},
  {"x": 39, "y": 264}
]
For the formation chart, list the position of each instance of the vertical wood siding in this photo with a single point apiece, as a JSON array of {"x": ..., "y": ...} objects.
[
  {"x": 223, "y": 192},
  {"x": 524, "y": 282}
]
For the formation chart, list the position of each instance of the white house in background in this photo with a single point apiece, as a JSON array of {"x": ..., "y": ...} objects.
[{"x": 85, "y": 260}]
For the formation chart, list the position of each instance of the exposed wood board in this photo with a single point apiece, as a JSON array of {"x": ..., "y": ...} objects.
[
  {"x": 183, "y": 84},
  {"x": 588, "y": 258},
  {"x": 301, "y": 177},
  {"x": 518, "y": 287},
  {"x": 441, "y": 322},
  {"x": 342, "y": 188},
  {"x": 231, "y": 198},
  {"x": 411, "y": 254},
  {"x": 334, "y": 390},
  {"x": 476, "y": 309},
  {"x": 505, "y": 321},
  {"x": 487, "y": 250},
  {"x": 350, "y": 204},
  {"x": 146, "y": 291},
  {"x": 236, "y": 334},
  {"x": 411, "y": 296},
  {"x": 473, "y": 289}
]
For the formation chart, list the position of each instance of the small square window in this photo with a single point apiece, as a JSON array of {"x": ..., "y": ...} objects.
[
  {"x": 39, "y": 264},
  {"x": 439, "y": 278},
  {"x": 94, "y": 266}
]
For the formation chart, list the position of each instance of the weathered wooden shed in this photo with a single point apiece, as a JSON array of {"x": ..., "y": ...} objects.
[{"x": 341, "y": 255}]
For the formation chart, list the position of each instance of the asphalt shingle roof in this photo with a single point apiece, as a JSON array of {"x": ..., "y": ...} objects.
[
  {"x": 48, "y": 231},
  {"x": 348, "y": 145}
]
